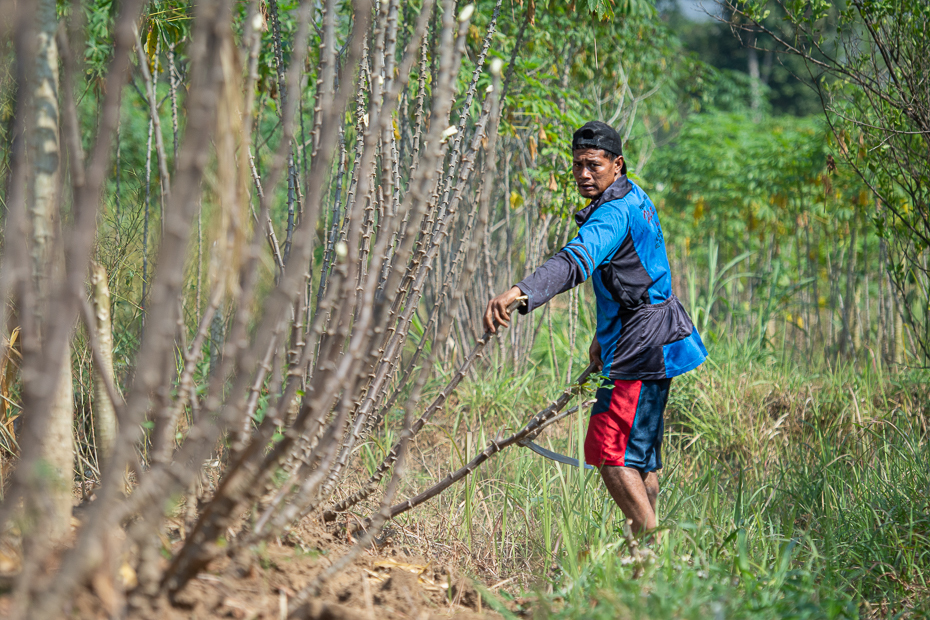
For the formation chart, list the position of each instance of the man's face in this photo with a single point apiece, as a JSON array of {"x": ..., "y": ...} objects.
[{"x": 595, "y": 170}]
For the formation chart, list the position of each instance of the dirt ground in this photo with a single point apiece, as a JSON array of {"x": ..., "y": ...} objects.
[{"x": 385, "y": 583}]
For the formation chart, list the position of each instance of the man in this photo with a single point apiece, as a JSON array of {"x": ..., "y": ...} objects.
[{"x": 644, "y": 336}]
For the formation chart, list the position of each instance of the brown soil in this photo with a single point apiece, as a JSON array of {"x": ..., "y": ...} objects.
[{"x": 385, "y": 583}]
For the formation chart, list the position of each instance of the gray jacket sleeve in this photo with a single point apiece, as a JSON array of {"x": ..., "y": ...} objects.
[{"x": 556, "y": 275}]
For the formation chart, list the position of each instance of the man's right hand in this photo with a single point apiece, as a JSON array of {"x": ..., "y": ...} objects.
[
  {"x": 594, "y": 354},
  {"x": 497, "y": 313}
]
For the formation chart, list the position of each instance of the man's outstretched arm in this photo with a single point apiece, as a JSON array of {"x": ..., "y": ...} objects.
[{"x": 597, "y": 239}]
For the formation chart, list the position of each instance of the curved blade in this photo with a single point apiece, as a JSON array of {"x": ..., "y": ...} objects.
[{"x": 554, "y": 456}]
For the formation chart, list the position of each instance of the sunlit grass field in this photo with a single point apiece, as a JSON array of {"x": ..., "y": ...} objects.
[{"x": 790, "y": 490}]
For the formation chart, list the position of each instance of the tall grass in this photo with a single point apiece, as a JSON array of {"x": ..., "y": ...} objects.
[{"x": 800, "y": 510}]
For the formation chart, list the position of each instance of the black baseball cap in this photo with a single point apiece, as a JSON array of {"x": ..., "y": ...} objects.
[{"x": 599, "y": 135}]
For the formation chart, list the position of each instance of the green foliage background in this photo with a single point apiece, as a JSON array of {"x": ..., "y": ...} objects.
[{"x": 779, "y": 249}]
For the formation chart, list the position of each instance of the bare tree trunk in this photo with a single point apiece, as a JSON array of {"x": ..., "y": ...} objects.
[
  {"x": 849, "y": 301},
  {"x": 356, "y": 319},
  {"x": 57, "y": 447},
  {"x": 882, "y": 322},
  {"x": 891, "y": 320},
  {"x": 899, "y": 357},
  {"x": 856, "y": 319},
  {"x": 145, "y": 224},
  {"x": 104, "y": 413},
  {"x": 755, "y": 83}
]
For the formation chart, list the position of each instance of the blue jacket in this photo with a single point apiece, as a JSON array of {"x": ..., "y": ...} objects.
[{"x": 643, "y": 330}]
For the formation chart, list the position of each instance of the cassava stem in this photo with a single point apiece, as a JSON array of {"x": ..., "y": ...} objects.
[{"x": 371, "y": 484}]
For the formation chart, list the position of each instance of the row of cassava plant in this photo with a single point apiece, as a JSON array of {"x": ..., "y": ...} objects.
[
  {"x": 305, "y": 357},
  {"x": 869, "y": 62},
  {"x": 778, "y": 240}
]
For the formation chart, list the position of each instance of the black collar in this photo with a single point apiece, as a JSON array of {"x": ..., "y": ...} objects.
[{"x": 617, "y": 190}]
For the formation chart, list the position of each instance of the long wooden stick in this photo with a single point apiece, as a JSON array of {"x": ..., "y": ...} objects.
[{"x": 538, "y": 422}]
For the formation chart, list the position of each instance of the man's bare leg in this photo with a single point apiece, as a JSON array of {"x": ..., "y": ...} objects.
[
  {"x": 635, "y": 494},
  {"x": 651, "y": 481}
]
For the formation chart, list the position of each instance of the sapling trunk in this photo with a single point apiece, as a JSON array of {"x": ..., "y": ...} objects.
[
  {"x": 163, "y": 174},
  {"x": 449, "y": 67}
]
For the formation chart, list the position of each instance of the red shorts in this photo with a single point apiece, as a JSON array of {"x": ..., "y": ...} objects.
[{"x": 626, "y": 425}]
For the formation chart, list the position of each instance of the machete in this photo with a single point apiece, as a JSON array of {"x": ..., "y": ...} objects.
[
  {"x": 553, "y": 456},
  {"x": 549, "y": 454}
]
